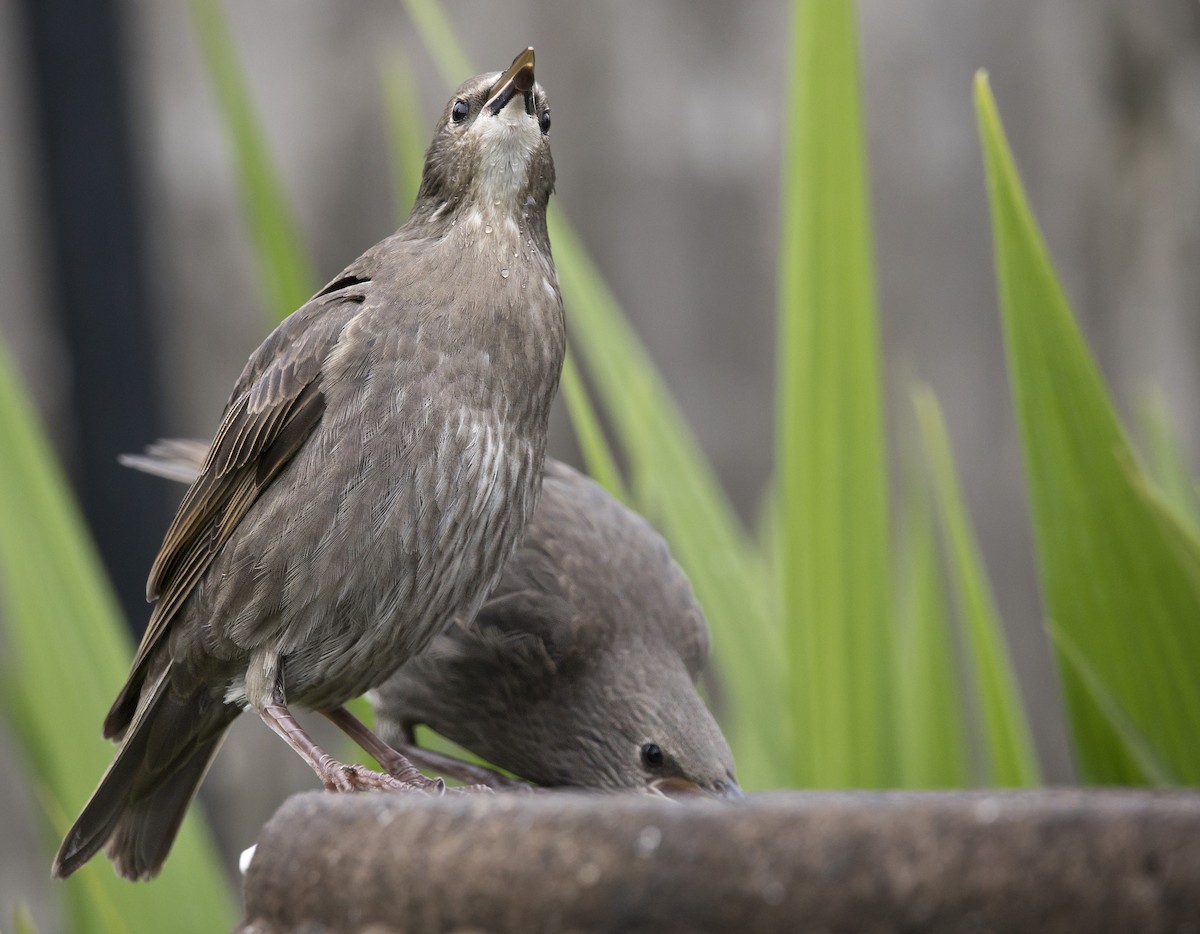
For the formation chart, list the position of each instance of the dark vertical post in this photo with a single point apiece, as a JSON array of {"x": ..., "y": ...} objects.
[{"x": 98, "y": 287}]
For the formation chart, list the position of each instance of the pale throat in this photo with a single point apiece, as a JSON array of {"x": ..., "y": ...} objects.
[
  {"x": 494, "y": 222},
  {"x": 509, "y": 138}
]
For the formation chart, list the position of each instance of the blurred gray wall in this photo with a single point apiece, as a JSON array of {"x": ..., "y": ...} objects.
[{"x": 667, "y": 121}]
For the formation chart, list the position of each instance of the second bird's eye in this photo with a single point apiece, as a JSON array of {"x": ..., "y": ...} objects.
[
  {"x": 544, "y": 121},
  {"x": 458, "y": 113},
  {"x": 652, "y": 756}
]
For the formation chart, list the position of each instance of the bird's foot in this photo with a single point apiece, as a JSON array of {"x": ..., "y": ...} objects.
[
  {"x": 400, "y": 763},
  {"x": 339, "y": 776},
  {"x": 404, "y": 772}
]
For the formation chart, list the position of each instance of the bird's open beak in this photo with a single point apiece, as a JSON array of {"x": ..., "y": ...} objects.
[
  {"x": 517, "y": 80},
  {"x": 682, "y": 788}
]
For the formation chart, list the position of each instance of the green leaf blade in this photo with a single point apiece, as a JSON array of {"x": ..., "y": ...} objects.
[
  {"x": 933, "y": 752},
  {"x": 1114, "y": 585},
  {"x": 283, "y": 267},
  {"x": 597, "y": 455},
  {"x": 62, "y": 627},
  {"x": 831, "y": 459},
  {"x": 1007, "y": 740},
  {"x": 429, "y": 16},
  {"x": 1166, "y": 460},
  {"x": 405, "y": 135}
]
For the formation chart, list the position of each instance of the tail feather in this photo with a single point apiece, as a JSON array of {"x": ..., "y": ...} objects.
[
  {"x": 100, "y": 816},
  {"x": 136, "y": 810},
  {"x": 143, "y": 835},
  {"x": 173, "y": 458}
]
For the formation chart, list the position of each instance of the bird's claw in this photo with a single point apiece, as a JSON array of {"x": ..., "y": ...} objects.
[
  {"x": 347, "y": 778},
  {"x": 350, "y": 778},
  {"x": 412, "y": 779},
  {"x": 473, "y": 790}
]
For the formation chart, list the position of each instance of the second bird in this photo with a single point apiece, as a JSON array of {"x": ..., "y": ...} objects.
[{"x": 374, "y": 468}]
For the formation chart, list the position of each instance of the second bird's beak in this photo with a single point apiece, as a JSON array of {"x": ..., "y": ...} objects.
[
  {"x": 517, "y": 80},
  {"x": 682, "y": 788},
  {"x": 729, "y": 790}
]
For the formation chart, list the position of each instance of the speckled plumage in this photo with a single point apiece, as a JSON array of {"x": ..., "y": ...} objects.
[
  {"x": 586, "y": 651},
  {"x": 375, "y": 466}
]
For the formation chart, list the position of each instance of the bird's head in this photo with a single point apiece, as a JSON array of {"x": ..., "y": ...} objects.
[
  {"x": 654, "y": 730},
  {"x": 625, "y": 716},
  {"x": 491, "y": 148},
  {"x": 520, "y": 688}
]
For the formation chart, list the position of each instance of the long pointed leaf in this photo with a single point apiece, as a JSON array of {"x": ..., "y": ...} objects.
[
  {"x": 436, "y": 30},
  {"x": 284, "y": 269},
  {"x": 1115, "y": 586},
  {"x": 831, "y": 460},
  {"x": 597, "y": 455},
  {"x": 1165, "y": 457},
  {"x": 934, "y": 753},
  {"x": 405, "y": 134},
  {"x": 1005, "y": 728},
  {"x": 67, "y": 652}
]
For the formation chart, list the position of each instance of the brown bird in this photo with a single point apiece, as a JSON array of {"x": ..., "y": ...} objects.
[
  {"x": 579, "y": 669},
  {"x": 374, "y": 468}
]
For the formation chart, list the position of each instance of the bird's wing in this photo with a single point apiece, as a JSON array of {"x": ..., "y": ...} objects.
[
  {"x": 276, "y": 403},
  {"x": 533, "y": 625}
]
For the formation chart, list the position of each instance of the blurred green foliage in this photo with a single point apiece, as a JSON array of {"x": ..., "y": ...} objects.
[{"x": 66, "y": 654}]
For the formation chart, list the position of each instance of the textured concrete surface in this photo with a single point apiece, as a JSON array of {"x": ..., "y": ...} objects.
[{"x": 1060, "y": 860}]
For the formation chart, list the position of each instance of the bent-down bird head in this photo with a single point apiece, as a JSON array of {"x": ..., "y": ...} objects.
[
  {"x": 491, "y": 147},
  {"x": 654, "y": 731},
  {"x": 554, "y": 706}
]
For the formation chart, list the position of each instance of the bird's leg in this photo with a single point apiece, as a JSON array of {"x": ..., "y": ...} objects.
[
  {"x": 396, "y": 765},
  {"x": 407, "y": 756},
  {"x": 335, "y": 775},
  {"x": 463, "y": 771}
]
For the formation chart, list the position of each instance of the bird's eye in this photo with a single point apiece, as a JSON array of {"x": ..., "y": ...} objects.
[
  {"x": 544, "y": 120},
  {"x": 652, "y": 756},
  {"x": 458, "y": 113}
]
